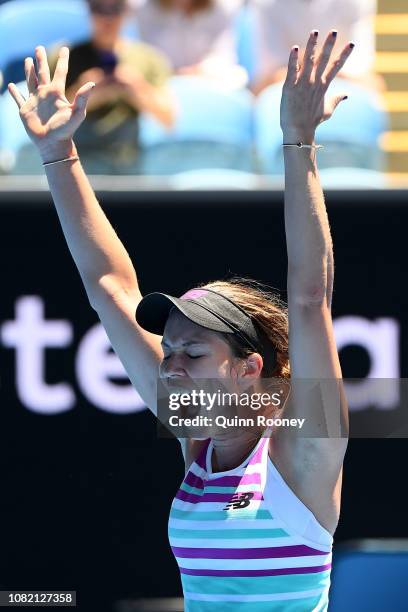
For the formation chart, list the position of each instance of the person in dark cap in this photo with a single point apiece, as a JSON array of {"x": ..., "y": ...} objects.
[
  {"x": 253, "y": 521},
  {"x": 130, "y": 77}
]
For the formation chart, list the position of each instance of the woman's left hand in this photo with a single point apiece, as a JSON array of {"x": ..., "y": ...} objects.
[{"x": 303, "y": 103}]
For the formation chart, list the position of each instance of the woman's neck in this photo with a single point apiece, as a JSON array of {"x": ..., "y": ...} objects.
[{"x": 229, "y": 453}]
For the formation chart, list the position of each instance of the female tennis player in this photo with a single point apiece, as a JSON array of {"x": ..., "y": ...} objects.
[{"x": 252, "y": 524}]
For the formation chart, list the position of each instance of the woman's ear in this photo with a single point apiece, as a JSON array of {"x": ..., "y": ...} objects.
[{"x": 252, "y": 366}]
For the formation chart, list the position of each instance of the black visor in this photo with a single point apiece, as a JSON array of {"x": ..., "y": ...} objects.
[{"x": 209, "y": 309}]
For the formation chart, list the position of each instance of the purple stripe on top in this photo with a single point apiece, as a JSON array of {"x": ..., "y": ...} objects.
[
  {"x": 194, "y": 481},
  {"x": 283, "y": 571},
  {"x": 223, "y": 481},
  {"x": 246, "y": 553},
  {"x": 235, "y": 481},
  {"x": 194, "y": 498}
]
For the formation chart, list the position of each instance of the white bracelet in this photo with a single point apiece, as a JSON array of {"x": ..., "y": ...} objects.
[
  {"x": 59, "y": 161},
  {"x": 301, "y": 145}
]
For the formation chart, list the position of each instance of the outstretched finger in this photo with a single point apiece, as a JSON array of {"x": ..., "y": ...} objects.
[
  {"x": 61, "y": 69},
  {"x": 42, "y": 66},
  {"x": 338, "y": 64},
  {"x": 82, "y": 97},
  {"x": 293, "y": 66},
  {"x": 79, "y": 104},
  {"x": 309, "y": 56},
  {"x": 31, "y": 77},
  {"x": 325, "y": 54},
  {"x": 333, "y": 103},
  {"x": 16, "y": 94}
]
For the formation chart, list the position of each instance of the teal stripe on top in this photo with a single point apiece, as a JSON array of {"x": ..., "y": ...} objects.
[
  {"x": 195, "y": 515},
  {"x": 255, "y": 585},
  {"x": 307, "y": 604},
  {"x": 226, "y": 534}
]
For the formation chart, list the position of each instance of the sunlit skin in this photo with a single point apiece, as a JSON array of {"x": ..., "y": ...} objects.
[{"x": 193, "y": 352}]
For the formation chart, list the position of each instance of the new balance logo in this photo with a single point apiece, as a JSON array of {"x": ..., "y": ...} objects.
[{"x": 239, "y": 500}]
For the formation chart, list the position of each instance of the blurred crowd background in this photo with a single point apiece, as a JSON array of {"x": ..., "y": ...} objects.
[
  {"x": 187, "y": 96},
  {"x": 192, "y": 86}
]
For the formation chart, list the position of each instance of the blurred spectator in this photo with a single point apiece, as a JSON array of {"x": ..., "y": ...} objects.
[
  {"x": 130, "y": 77},
  {"x": 281, "y": 24},
  {"x": 197, "y": 36},
  {"x": 1, "y": 74}
]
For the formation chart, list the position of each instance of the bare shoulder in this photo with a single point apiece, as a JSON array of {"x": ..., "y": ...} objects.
[
  {"x": 191, "y": 450},
  {"x": 306, "y": 472}
]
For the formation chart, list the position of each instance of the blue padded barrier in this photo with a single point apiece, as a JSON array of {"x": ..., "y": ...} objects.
[
  {"x": 12, "y": 133},
  {"x": 369, "y": 581},
  {"x": 245, "y": 40},
  {"x": 213, "y": 129},
  {"x": 24, "y": 24}
]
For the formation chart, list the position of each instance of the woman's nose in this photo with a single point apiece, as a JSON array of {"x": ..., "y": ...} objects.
[{"x": 172, "y": 367}]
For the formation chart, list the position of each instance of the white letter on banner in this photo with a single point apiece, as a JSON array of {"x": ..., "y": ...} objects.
[
  {"x": 30, "y": 334},
  {"x": 95, "y": 364},
  {"x": 380, "y": 338}
]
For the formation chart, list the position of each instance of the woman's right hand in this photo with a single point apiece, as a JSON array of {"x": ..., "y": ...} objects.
[{"x": 49, "y": 118}]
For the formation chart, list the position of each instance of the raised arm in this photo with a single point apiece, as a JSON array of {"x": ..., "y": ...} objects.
[
  {"x": 303, "y": 107},
  {"x": 312, "y": 348},
  {"x": 103, "y": 263}
]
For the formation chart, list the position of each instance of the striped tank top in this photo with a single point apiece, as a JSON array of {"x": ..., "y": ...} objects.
[{"x": 244, "y": 542}]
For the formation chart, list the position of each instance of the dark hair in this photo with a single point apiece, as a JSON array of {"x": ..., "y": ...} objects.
[
  {"x": 120, "y": 4},
  {"x": 268, "y": 312}
]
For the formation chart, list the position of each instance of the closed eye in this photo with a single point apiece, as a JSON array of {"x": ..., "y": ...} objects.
[{"x": 190, "y": 356}]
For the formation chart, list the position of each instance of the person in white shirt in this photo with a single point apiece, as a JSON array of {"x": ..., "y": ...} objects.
[
  {"x": 280, "y": 23},
  {"x": 197, "y": 36}
]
